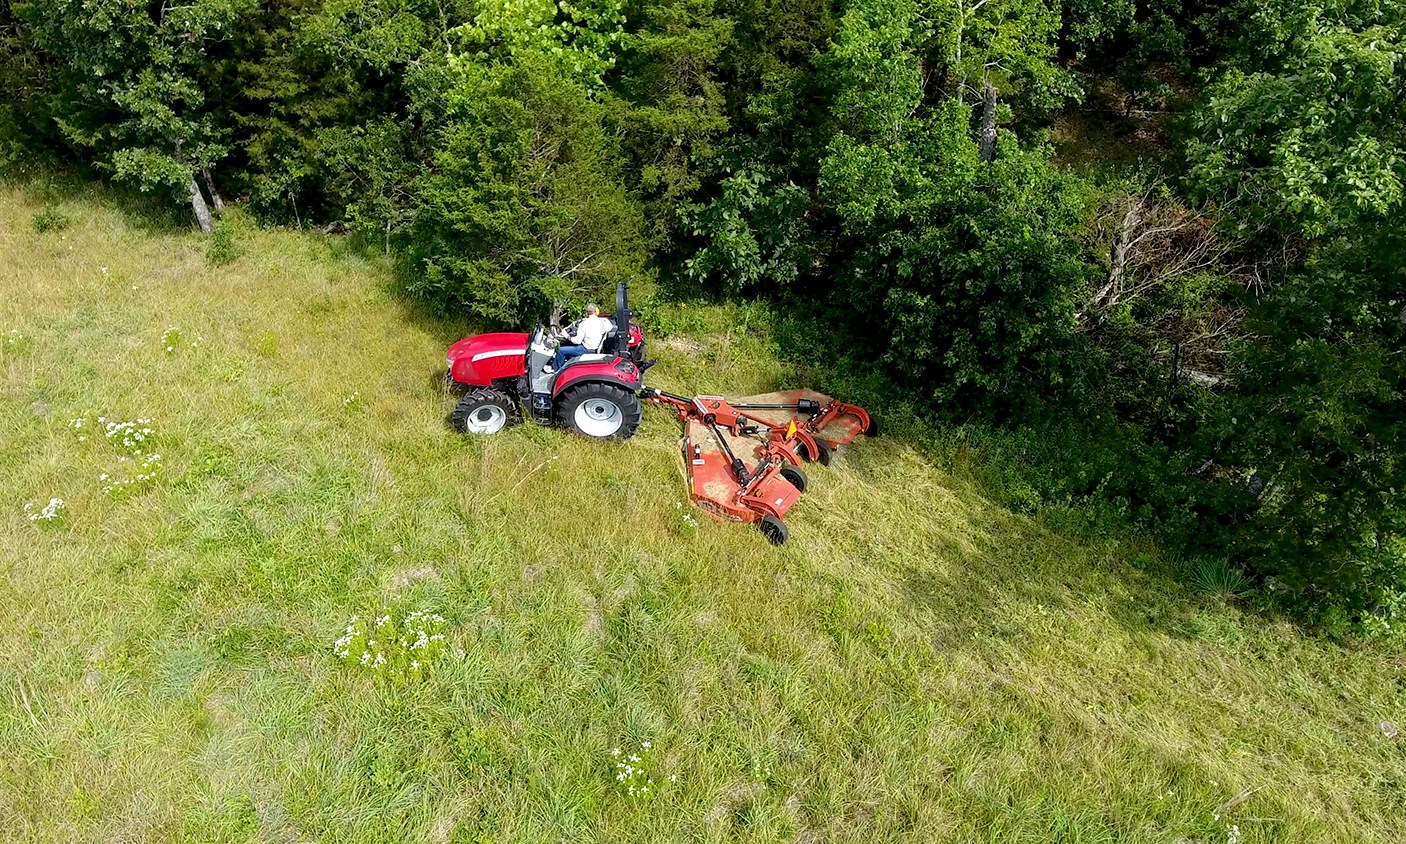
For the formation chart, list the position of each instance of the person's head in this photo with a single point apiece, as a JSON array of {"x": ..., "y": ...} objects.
[{"x": 593, "y": 309}]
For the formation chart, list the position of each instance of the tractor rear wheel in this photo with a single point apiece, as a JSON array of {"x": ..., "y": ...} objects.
[
  {"x": 795, "y": 476},
  {"x": 598, "y": 410},
  {"x": 485, "y": 410},
  {"x": 773, "y": 529},
  {"x": 822, "y": 456}
]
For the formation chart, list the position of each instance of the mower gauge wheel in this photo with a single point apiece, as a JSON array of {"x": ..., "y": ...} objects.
[
  {"x": 794, "y": 476},
  {"x": 773, "y": 529}
]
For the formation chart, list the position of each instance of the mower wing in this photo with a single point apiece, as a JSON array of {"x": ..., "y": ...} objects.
[{"x": 824, "y": 418}]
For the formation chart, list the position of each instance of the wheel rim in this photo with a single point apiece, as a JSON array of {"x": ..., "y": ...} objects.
[
  {"x": 486, "y": 419},
  {"x": 598, "y": 417}
]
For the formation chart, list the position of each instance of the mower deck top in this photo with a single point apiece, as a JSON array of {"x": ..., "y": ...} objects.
[
  {"x": 836, "y": 427},
  {"x": 713, "y": 485}
]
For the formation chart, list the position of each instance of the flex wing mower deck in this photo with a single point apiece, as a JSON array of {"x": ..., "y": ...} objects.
[{"x": 742, "y": 456}]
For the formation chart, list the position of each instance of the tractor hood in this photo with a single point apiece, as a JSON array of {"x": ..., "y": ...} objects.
[{"x": 484, "y": 358}]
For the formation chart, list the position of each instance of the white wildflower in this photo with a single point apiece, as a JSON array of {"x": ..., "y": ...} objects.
[{"x": 48, "y": 513}]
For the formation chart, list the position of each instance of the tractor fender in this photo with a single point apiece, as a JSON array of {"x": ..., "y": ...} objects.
[{"x": 621, "y": 372}]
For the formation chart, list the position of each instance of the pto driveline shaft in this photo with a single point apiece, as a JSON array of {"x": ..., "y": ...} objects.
[{"x": 738, "y": 467}]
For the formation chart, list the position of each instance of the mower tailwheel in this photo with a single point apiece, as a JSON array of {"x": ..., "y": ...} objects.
[
  {"x": 485, "y": 411},
  {"x": 773, "y": 529},
  {"x": 795, "y": 477},
  {"x": 822, "y": 455},
  {"x": 599, "y": 410},
  {"x": 873, "y": 429}
]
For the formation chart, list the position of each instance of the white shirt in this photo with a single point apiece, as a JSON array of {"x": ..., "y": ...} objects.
[{"x": 591, "y": 332}]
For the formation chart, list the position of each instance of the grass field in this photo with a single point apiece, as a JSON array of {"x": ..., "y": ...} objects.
[{"x": 918, "y": 664}]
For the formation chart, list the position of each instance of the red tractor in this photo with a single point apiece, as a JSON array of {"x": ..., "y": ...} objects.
[{"x": 596, "y": 395}]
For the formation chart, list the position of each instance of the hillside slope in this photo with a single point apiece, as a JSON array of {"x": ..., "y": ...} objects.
[{"x": 917, "y": 665}]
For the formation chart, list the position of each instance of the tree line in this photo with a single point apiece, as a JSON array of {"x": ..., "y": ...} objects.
[{"x": 1163, "y": 233}]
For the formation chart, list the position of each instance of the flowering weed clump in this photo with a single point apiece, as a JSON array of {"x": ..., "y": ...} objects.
[
  {"x": 148, "y": 470},
  {"x": 688, "y": 520},
  {"x": 398, "y": 650},
  {"x": 632, "y": 770},
  {"x": 130, "y": 437},
  {"x": 49, "y": 513},
  {"x": 353, "y": 401},
  {"x": 141, "y": 466},
  {"x": 14, "y": 341},
  {"x": 173, "y": 339}
]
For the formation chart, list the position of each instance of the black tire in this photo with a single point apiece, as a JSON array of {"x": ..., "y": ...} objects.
[
  {"x": 795, "y": 476},
  {"x": 773, "y": 529},
  {"x": 824, "y": 455},
  {"x": 484, "y": 410},
  {"x": 873, "y": 429},
  {"x": 599, "y": 404}
]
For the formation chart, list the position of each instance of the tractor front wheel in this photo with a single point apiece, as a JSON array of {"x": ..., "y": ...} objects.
[
  {"x": 773, "y": 529},
  {"x": 485, "y": 411},
  {"x": 598, "y": 410}
]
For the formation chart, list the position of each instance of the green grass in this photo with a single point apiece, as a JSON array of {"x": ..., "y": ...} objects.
[{"x": 917, "y": 665}]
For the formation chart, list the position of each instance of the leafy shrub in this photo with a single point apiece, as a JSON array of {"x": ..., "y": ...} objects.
[
  {"x": 51, "y": 219},
  {"x": 222, "y": 248},
  {"x": 752, "y": 234}
]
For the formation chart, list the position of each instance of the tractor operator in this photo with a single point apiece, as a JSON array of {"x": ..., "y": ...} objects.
[{"x": 590, "y": 335}]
